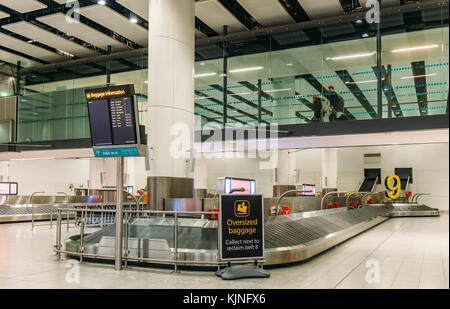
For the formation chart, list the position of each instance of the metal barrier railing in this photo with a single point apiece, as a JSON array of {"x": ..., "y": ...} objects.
[
  {"x": 126, "y": 258},
  {"x": 32, "y": 209},
  {"x": 331, "y": 193},
  {"x": 416, "y": 197}
]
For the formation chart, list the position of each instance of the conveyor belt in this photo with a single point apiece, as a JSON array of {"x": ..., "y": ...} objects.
[
  {"x": 23, "y": 213},
  {"x": 288, "y": 239},
  {"x": 413, "y": 210}
]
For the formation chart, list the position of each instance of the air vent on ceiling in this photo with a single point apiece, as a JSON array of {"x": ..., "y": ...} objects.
[{"x": 372, "y": 158}]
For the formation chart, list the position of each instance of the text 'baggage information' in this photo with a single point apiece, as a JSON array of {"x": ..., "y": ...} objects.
[{"x": 241, "y": 227}]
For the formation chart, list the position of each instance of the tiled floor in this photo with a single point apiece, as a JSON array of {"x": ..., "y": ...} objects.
[{"x": 400, "y": 253}]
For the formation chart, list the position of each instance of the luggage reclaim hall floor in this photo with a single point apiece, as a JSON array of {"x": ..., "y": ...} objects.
[{"x": 410, "y": 253}]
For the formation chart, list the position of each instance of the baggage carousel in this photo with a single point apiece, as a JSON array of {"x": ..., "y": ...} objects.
[
  {"x": 413, "y": 210},
  {"x": 288, "y": 238}
]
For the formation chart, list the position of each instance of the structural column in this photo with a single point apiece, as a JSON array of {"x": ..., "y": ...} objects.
[
  {"x": 171, "y": 85},
  {"x": 329, "y": 170}
]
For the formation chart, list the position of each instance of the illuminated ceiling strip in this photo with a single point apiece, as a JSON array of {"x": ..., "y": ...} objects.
[
  {"x": 402, "y": 50},
  {"x": 205, "y": 75},
  {"x": 351, "y": 56},
  {"x": 408, "y": 77},
  {"x": 246, "y": 69}
]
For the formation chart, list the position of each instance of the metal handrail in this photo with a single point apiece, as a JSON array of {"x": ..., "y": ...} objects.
[
  {"x": 68, "y": 214},
  {"x": 416, "y": 197},
  {"x": 32, "y": 208},
  {"x": 174, "y": 261},
  {"x": 350, "y": 194},
  {"x": 331, "y": 193},
  {"x": 286, "y": 193}
]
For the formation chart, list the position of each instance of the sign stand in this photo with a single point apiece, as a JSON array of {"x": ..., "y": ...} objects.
[
  {"x": 241, "y": 235},
  {"x": 119, "y": 213},
  {"x": 115, "y": 133}
]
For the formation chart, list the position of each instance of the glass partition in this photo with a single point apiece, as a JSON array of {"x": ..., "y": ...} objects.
[{"x": 280, "y": 76}]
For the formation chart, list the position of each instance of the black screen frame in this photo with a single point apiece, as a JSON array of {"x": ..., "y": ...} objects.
[{"x": 129, "y": 93}]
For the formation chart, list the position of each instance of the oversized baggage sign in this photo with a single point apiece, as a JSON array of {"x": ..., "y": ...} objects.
[{"x": 241, "y": 227}]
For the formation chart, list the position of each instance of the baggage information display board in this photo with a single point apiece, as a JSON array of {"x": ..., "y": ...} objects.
[
  {"x": 241, "y": 227},
  {"x": 112, "y": 115}
]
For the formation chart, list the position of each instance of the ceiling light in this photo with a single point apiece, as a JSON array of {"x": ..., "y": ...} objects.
[
  {"x": 278, "y": 90},
  {"x": 101, "y": 2},
  {"x": 30, "y": 41},
  {"x": 246, "y": 69},
  {"x": 205, "y": 74},
  {"x": 364, "y": 81},
  {"x": 358, "y": 21},
  {"x": 418, "y": 76},
  {"x": 133, "y": 20},
  {"x": 402, "y": 50},
  {"x": 351, "y": 56},
  {"x": 365, "y": 35},
  {"x": 290, "y": 64}
]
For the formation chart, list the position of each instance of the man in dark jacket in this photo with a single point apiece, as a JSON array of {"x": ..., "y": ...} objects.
[{"x": 336, "y": 103}]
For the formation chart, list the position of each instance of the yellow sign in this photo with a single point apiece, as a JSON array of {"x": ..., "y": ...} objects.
[
  {"x": 104, "y": 94},
  {"x": 242, "y": 209},
  {"x": 393, "y": 184}
]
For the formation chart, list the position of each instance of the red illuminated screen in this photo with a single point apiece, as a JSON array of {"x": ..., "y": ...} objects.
[
  {"x": 8, "y": 188},
  {"x": 311, "y": 188},
  {"x": 238, "y": 183}
]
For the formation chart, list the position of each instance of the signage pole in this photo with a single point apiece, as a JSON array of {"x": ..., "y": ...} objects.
[{"x": 119, "y": 213}]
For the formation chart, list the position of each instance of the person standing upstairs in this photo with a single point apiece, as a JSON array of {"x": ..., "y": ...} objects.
[{"x": 336, "y": 104}]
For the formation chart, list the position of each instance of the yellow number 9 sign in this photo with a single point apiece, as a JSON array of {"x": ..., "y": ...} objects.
[{"x": 393, "y": 184}]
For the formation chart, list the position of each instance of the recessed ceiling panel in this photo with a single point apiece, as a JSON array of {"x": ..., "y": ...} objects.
[
  {"x": 321, "y": 8},
  {"x": 116, "y": 22},
  {"x": 140, "y": 7},
  {"x": 13, "y": 58},
  {"x": 23, "y": 6},
  {"x": 48, "y": 38},
  {"x": 199, "y": 34},
  {"x": 268, "y": 12},
  {"x": 81, "y": 31},
  {"x": 215, "y": 15},
  {"x": 384, "y": 3},
  {"x": 29, "y": 49},
  {"x": 3, "y": 15}
]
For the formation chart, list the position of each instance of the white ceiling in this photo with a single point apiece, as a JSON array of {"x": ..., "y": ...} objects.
[
  {"x": 140, "y": 7},
  {"x": 23, "y": 6},
  {"x": 215, "y": 15},
  {"x": 29, "y": 49},
  {"x": 48, "y": 38},
  {"x": 322, "y": 8},
  {"x": 13, "y": 58},
  {"x": 267, "y": 13},
  {"x": 116, "y": 22},
  {"x": 3, "y": 15},
  {"x": 81, "y": 31}
]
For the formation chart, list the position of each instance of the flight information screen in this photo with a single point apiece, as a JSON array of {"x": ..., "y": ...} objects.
[
  {"x": 100, "y": 122},
  {"x": 122, "y": 119},
  {"x": 112, "y": 115}
]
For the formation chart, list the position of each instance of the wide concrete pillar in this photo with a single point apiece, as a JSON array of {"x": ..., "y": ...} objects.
[
  {"x": 171, "y": 85},
  {"x": 171, "y": 56},
  {"x": 329, "y": 169}
]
